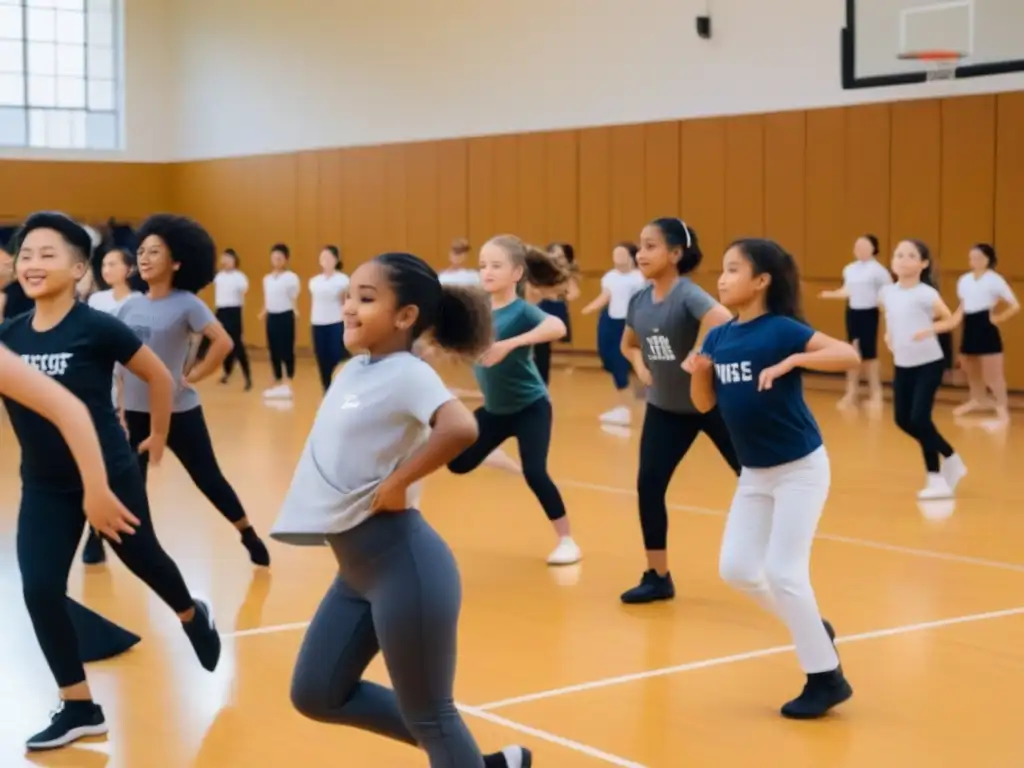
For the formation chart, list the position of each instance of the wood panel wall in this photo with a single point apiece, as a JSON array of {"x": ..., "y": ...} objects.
[
  {"x": 949, "y": 171},
  {"x": 91, "y": 192}
]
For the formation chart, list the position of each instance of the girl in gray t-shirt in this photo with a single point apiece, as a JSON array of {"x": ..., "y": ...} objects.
[
  {"x": 663, "y": 323},
  {"x": 386, "y": 422},
  {"x": 177, "y": 259}
]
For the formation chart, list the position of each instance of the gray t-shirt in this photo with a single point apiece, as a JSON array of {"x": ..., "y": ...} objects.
[
  {"x": 375, "y": 415},
  {"x": 667, "y": 331},
  {"x": 166, "y": 326}
]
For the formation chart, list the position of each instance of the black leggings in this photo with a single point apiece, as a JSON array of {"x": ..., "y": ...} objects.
[
  {"x": 399, "y": 593},
  {"x": 532, "y": 429},
  {"x": 665, "y": 439},
  {"x": 913, "y": 398},
  {"x": 542, "y": 359},
  {"x": 189, "y": 440},
  {"x": 231, "y": 319},
  {"x": 281, "y": 341},
  {"x": 50, "y": 526},
  {"x": 329, "y": 349}
]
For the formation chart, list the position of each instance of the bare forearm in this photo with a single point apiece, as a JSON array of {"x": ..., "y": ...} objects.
[
  {"x": 833, "y": 359},
  {"x": 161, "y": 403},
  {"x": 443, "y": 445},
  {"x": 219, "y": 349},
  {"x": 551, "y": 329},
  {"x": 702, "y": 391}
]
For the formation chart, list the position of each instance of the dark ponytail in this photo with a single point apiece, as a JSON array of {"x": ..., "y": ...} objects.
[
  {"x": 458, "y": 316},
  {"x": 767, "y": 257},
  {"x": 679, "y": 236},
  {"x": 464, "y": 320},
  {"x": 927, "y": 274}
]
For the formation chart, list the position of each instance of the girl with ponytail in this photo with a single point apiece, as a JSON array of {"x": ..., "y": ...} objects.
[
  {"x": 516, "y": 402},
  {"x": 386, "y": 422}
]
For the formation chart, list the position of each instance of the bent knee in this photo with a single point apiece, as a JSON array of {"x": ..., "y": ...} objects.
[{"x": 740, "y": 574}]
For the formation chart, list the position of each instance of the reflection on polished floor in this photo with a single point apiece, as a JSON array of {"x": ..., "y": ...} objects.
[{"x": 930, "y": 602}]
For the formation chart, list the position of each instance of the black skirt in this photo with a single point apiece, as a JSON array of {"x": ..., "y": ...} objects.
[
  {"x": 862, "y": 328},
  {"x": 981, "y": 336}
]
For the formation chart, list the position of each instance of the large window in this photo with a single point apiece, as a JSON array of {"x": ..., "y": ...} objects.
[{"x": 59, "y": 74}]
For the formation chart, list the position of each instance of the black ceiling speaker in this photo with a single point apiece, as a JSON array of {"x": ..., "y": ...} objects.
[{"x": 704, "y": 27}]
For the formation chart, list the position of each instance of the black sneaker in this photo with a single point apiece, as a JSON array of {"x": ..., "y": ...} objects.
[
  {"x": 73, "y": 721},
  {"x": 651, "y": 588},
  {"x": 822, "y": 691},
  {"x": 510, "y": 757},
  {"x": 94, "y": 553},
  {"x": 202, "y": 633}
]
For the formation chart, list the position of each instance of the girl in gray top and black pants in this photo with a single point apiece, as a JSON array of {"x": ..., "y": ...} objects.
[
  {"x": 177, "y": 260},
  {"x": 398, "y": 590},
  {"x": 663, "y": 323}
]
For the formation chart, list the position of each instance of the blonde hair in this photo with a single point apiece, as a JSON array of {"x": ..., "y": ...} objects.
[{"x": 540, "y": 268}]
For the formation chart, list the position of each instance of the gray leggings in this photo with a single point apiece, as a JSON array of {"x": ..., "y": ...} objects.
[{"x": 399, "y": 593}]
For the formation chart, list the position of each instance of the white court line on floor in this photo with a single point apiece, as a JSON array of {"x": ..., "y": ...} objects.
[
  {"x": 722, "y": 660},
  {"x": 868, "y": 543},
  {"x": 561, "y": 741}
]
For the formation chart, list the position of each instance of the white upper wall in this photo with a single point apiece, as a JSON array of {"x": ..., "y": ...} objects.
[
  {"x": 218, "y": 78},
  {"x": 148, "y": 90},
  {"x": 266, "y": 76}
]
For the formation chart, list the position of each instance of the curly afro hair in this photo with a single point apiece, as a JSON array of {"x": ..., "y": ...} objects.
[{"x": 191, "y": 248}]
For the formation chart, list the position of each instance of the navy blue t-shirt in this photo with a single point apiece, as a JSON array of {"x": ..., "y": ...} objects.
[
  {"x": 775, "y": 426},
  {"x": 79, "y": 352}
]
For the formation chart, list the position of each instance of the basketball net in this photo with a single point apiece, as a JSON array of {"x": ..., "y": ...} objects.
[
  {"x": 942, "y": 65},
  {"x": 942, "y": 70}
]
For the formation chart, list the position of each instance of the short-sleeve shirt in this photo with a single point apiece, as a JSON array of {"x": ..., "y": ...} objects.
[
  {"x": 981, "y": 294},
  {"x": 775, "y": 426},
  {"x": 667, "y": 331},
  {"x": 374, "y": 416},
  {"x": 907, "y": 311},
  {"x": 80, "y": 353},
  {"x": 514, "y": 383},
  {"x": 166, "y": 326},
  {"x": 863, "y": 280},
  {"x": 621, "y": 287}
]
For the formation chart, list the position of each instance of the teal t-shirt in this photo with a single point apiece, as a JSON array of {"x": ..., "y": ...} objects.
[{"x": 514, "y": 383}]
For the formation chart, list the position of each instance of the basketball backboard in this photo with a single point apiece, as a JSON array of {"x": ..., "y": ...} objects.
[{"x": 990, "y": 34}]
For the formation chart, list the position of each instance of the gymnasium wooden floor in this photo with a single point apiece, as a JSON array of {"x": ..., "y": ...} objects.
[{"x": 929, "y": 605}]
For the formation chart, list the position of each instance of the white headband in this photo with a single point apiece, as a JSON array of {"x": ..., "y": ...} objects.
[{"x": 686, "y": 229}]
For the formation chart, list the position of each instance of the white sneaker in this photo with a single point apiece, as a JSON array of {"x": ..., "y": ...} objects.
[
  {"x": 936, "y": 488},
  {"x": 621, "y": 416},
  {"x": 953, "y": 471},
  {"x": 280, "y": 392},
  {"x": 566, "y": 553}
]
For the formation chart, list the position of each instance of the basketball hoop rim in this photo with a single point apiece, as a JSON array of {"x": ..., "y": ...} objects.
[{"x": 933, "y": 57}]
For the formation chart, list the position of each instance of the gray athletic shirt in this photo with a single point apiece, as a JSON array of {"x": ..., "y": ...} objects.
[
  {"x": 375, "y": 415},
  {"x": 667, "y": 330},
  {"x": 166, "y": 326}
]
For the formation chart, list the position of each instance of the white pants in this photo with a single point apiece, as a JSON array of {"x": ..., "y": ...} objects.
[{"x": 766, "y": 549}]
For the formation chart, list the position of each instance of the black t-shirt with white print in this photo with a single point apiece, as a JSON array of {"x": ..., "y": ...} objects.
[{"x": 79, "y": 352}]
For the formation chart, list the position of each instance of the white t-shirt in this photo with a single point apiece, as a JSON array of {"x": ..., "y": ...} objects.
[
  {"x": 104, "y": 301},
  {"x": 981, "y": 294},
  {"x": 621, "y": 286},
  {"x": 280, "y": 290},
  {"x": 326, "y": 293},
  {"x": 229, "y": 288},
  {"x": 374, "y": 416},
  {"x": 459, "y": 277},
  {"x": 907, "y": 311},
  {"x": 862, "y": 281}
]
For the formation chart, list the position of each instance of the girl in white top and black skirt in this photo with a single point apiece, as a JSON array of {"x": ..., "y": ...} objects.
[
  {"x": 280, "y": 293},
  {"x": 915, "y": 315},
  {"x": 863, "y": 278},
  {"x": 229, "y": 289},
  {"x": 328, "y": 291},
  {"x": 981, "y": 347}
]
